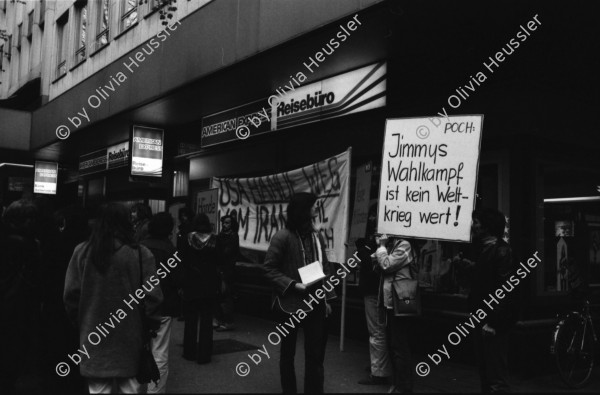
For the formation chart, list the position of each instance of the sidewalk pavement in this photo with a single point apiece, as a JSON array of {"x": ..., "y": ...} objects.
[{"x": 342, "y": 369}]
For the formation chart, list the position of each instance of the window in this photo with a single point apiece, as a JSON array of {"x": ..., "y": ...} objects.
[
  {"x": 154, "y": 5},
  {"x": 80, "y": 32},
  {"x": 61, "y": 45},
  {"x": 42, "y": 12},
  {"x": 129, "y": 14},
  {"x": 8, "y": 48},
  {"x": 19, "y": 34},
  {"x": 30, "y": 26},
  {"x": 4, "y": 5},
  {"x": 102, "y": 24},
  {"x": 1, "y": 57}
]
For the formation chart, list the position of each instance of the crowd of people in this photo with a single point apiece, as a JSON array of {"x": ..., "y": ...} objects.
[
  {"x": 64, "y": 276},
  {"x": 385, "y": 261}
]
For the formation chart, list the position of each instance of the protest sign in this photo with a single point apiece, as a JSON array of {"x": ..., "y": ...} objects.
[
  {"x": 260, "y": 203},
  {"x": 429, "y": 177},
  {"x": 206, "y": 203}
]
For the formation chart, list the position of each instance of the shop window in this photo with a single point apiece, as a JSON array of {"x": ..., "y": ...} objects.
[
  {"x": 571, "y": 226},
  {"x": 80, "y": 32},
  {"x": 129, "y": 15},
  {"x": 102, "y": 23},
  {"x": 61, "y": 45},
  {"x": 437, "y": 274},
  {"x": 180, "y": 183},
  {"x": 30, "y": 26},
  {"x": 157, "y": 206},
  {"x": 42, "y": 13},
  {"x": 19, "y": 35}
]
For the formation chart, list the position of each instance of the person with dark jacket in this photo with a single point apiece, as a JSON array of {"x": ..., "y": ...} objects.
[
  {"x": 200, "y": 288},
  {"x": 185, "y": 216},
  {"x": 158, "y": 242},
  {"x": 140, "y": 217},
  {"x": 491, "y": 268},
  {"x": 20, "y": 299},
  {"x": 60, "y": 338},
  {"x": 369, "y": 277},
  {"x": 230, "y": 244},
  {"x": 104, "y": 278},
  {"x": 292, "y": 248}
]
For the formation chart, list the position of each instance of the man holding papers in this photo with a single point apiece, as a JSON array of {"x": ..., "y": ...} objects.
[{"x": 296, "y": 265}]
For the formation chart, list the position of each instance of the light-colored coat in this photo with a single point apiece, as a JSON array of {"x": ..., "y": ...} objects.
[{"x": 395, "y": 265}]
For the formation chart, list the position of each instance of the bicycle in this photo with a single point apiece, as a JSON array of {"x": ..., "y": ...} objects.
[{"x": 573, "y": 345}]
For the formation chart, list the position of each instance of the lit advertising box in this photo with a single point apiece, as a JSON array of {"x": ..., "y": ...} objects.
[
  {"x": 147, "y": 151},
  {"x": 45, "y": 178}
]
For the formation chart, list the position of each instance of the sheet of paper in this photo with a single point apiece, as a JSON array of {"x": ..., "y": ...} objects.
[{"x": 312, "y": 273}]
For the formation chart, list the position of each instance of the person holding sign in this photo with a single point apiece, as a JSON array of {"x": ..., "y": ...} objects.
[
  {"x": 394, "y": 257},
  {"x": 489, "y": 272},
  {"x": 292, "y": 249}
]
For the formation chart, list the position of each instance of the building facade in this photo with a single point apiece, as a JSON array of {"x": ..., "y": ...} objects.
[{"x": 79, "y": 75}]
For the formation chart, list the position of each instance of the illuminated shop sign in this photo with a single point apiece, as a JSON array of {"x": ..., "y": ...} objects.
[
  {"x": 147, "y": 151},
  {"x": 45, "y": 178},
  {"x": 107, "y": 158},
  {"x": 358, "y": 90}
]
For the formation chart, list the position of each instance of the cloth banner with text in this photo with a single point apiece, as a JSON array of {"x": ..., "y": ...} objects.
[
  {"x": 260, "y": 203},
  {"x": 429, "y": 177}
]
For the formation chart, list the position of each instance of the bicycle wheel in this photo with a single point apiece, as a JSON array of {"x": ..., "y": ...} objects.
[{"x": 574, "y": 351}]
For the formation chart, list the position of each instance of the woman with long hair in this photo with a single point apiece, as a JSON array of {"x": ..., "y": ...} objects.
[
  {"x": 292, "y": 248},
  {"x": 101, "y": 297},
  {"x": 201, "y": 284}
]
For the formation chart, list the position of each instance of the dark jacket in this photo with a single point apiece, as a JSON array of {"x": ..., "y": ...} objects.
[
  {"x": 184, "y": 229},
  {"x": 282, "y": 261},
  {"x": 200, "y": 278},
  {"x": 20, "y": 303},
  {"x": 163, "y": 250},
  {"x": 230, "y": 251},
  {"x": 493, "y": 267},
  {"x": 93, "y": 297},
  {"x": 369, "y": 274}
]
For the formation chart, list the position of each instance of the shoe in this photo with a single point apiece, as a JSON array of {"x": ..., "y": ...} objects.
[
  {"x": 189, "y": 357},
  {"x": 215, "y": 323},
  {"x": 203, "y": 361},
  {"x": 374, "y": 380}
]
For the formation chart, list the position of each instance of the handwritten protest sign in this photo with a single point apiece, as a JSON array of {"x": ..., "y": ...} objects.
[
  {"x": 260, "y": 203},
  {"x": 206, "y": 202},
  {"x": 429, "y": 177}
]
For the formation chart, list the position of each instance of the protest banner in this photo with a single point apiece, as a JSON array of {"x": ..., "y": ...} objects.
[
  {"x": 429, "y": 177},
  {"x": 360, "y": 211},
  {"x": 260, "y": 203}
]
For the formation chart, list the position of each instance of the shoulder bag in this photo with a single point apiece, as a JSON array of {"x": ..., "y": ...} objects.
[{"x": 147, "y": 370}]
